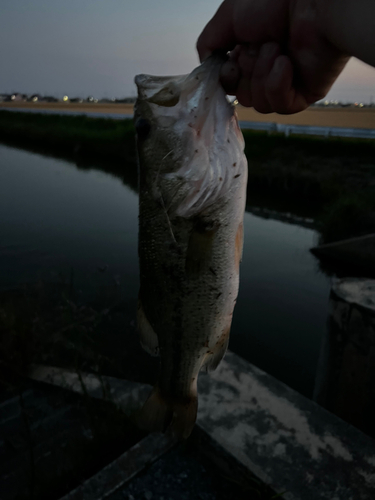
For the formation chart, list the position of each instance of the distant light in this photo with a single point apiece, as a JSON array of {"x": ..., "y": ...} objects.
[
  {"x": 35, "y": 98},
  {"x": 326, "y": 103},
  {"x": 13, "y": 97},
  {"x": 65, "y": 98},
  {"x": 361, "y": 104}
]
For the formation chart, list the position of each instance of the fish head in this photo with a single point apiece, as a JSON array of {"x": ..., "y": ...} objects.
[
  {"x": 188, "y": 133},
  {"x": 155, "y": 120}
]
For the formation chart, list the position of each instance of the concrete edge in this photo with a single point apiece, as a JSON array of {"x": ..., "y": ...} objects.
[{"x": 277, "y": 435}]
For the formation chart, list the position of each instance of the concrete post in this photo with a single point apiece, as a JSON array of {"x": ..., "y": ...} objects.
[{"x": 345, "y": 382}]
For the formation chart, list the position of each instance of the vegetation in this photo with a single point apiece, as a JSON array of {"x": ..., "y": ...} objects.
[
  {"x": 70, "y": 135},
  {"x": 50, "y": 324},
  {"x": 331, "y": 180}
]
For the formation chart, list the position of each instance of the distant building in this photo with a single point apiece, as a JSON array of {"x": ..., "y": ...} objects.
[
  {"x": 49, "y": 98},
  {"x": 34, "y": 98},
  {"x": 16, "y": 97}
]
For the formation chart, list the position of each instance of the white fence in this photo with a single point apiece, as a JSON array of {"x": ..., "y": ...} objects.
[{"x": 360, "y": 133}]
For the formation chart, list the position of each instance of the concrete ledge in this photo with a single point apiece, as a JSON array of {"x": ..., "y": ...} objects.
[
  {"x": 284, "y": 439},
  {"x": 125, "y": 394},
  {"x": 359, "y": 252},
  {"x": 123, "y": 469}
]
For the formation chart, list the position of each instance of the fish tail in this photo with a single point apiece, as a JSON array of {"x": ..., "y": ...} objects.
[{"x": 163, "y": 414}]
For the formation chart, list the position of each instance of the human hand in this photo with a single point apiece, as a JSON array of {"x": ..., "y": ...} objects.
[{"x": 280, "y": 61}]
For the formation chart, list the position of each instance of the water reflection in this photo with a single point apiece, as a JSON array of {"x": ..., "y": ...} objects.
[{"x": 57, "y": 216}]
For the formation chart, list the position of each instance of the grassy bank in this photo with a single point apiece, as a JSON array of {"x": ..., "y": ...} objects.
[
  {"x": 332, "y": 179},
  {"x": 70, "y": 135}
]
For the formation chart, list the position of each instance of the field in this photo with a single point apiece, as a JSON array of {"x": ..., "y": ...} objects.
[{"x": 323, "y": 117}]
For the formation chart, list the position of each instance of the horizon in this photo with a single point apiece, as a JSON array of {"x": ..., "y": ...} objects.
[{"x": 91, "y": 48}]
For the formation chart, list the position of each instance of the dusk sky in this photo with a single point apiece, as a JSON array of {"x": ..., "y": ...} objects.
[{"x": 95, "y": 47}]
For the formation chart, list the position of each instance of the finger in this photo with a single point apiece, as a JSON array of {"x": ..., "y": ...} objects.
[
  {"x": 241, "y": 87},
  {"x": 282, "y": 97},
  {"x": 218, "y": 33},
  {"x": 243, "y": 93},
  {"x": 229, "y": 77},
  {"x": 267, "y": 55},
  {"x": 247, "y": 58}
]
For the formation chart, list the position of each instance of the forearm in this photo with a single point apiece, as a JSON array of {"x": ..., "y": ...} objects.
[{"x": 350, "y": 26}]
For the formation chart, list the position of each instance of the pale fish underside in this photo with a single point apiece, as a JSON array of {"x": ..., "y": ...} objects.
[{"x": 193, "y": 176}]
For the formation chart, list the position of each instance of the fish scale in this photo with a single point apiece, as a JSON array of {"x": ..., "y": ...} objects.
[{"x": 192, "y": 187}]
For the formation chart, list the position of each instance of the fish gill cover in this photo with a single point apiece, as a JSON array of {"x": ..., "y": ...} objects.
[{"x": 201, "y": 115}]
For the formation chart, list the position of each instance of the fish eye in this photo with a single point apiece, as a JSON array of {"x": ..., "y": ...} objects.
[{"x": 142, "y": 127}]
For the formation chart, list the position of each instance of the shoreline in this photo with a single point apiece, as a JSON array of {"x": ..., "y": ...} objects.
[
  {"x": 314, "y": 116},
  {"x": 327, "y": 179}
]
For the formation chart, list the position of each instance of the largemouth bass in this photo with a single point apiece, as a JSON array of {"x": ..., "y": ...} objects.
[{"x": 192, "y": 193}]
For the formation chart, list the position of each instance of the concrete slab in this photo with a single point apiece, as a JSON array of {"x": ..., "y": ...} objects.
[
  {"x": 125, "y": 394},
  {"x": 284, "y": 439},
  {"x": 359, "y": 252},
  {"x": 123, "y": 469}
]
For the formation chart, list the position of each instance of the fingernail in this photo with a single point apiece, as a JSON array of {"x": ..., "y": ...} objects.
[{"x": 278, "y": 66}]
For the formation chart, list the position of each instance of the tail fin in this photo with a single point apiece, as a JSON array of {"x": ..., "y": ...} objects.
[{"x": 163, "y": 414}]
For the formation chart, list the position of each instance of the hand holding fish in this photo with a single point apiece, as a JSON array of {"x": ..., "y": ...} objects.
[{"x": 286, "y": 54}]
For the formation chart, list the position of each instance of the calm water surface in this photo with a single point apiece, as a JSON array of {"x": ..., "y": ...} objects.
[{"x": 55, "y": 218}]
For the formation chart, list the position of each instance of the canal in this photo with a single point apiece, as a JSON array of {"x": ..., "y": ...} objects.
[{"x": 58, "y": 220}]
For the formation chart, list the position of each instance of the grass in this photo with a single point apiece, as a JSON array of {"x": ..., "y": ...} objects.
[
  {"x": 331, "y": 180},
  {"x": 72, "y": 135},
  {"x": 48, "y": 324}
]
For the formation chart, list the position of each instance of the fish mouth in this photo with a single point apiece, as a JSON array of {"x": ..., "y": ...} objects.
[
  {"x": 161, "y": 90},
  {"x": 197, "y": 114},
  {"x": 166, "y": 90}
]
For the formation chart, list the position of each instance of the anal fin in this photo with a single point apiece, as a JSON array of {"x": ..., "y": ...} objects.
[{"x": 148, "y": 338}]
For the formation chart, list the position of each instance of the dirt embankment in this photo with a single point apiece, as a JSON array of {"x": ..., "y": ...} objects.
[{"x": 320, "y": 117}]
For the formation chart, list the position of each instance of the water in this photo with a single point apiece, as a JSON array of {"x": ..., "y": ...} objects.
[{"x": 55, "y": 218}]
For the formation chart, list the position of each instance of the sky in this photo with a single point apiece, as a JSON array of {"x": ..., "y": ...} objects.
[{"x": 96, "y": 47}]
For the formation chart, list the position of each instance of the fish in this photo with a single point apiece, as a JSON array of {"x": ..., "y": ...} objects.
[{"x": 192, "y": 196}]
